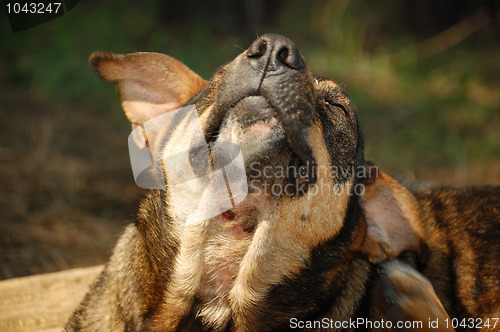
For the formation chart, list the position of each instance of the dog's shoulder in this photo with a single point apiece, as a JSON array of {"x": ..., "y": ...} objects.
[{"x": 123, "y": 291}]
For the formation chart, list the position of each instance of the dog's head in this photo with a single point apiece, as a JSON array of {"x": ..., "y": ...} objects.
[{"x": 288, "y": 245}]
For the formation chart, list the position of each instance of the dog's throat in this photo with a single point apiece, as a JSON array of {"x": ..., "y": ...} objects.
[{"x": 227, "y": 238}]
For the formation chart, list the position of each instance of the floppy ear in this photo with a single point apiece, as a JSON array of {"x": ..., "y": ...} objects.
[
  {"x": 402, "y": 294},
  {"x": 392, "y": 218},
  {"x": 149, "y": 84}
]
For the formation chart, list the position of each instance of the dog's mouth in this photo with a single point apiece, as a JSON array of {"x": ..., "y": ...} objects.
[
  {"x": 251, "y": 122},
  {"x": 259, "y": 122},
  {"x": 263, "y": 112}
]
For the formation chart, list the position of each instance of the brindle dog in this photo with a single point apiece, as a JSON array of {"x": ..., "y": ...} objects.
[{"x": 331, "y": 245}]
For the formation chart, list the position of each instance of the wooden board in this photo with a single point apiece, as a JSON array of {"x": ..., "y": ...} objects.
[{"x": 43, "y": 302}]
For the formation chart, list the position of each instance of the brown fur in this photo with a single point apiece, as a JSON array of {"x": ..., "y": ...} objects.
[
  {"x": 318, "y": 249},
  {"x": 462, "y": 232}
]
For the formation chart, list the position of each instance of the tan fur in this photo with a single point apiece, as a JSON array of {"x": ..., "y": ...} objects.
[
  {"x": 186, "y": 278},
  {"x": 279, "y": 248},
  {"x": 283, "y": 243},
  {"x": 166, "y": 83},
  {"x": 412, "y": 296}
]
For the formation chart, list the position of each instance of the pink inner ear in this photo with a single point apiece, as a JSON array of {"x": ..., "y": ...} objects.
[
  {"x": 150, "y": 84},
  {"x": 143, "y": 101},
  {"x": 393, "y": 220},
  {"x": 387, "y": 228},
  {"x": 140, "y": 111}
]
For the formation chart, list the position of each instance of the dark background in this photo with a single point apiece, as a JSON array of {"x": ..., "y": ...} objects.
[{"x": 425, "y": 76}]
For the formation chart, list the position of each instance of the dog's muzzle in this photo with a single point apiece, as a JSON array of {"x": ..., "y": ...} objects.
[{"x": 272, "y": 68}]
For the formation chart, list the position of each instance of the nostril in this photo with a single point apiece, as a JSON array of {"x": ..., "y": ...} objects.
[
  {"x": 289, "y": 56},
  {"x": 283, "y": 55},
  {"x": 257, "y": 49},
  {"x": 275, "y": 52}
]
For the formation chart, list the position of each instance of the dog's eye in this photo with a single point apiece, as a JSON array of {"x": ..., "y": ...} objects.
[{"x": 337, "y": 106}]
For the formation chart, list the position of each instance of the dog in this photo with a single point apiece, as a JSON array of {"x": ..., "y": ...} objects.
[{"x": 341, "y": 246}]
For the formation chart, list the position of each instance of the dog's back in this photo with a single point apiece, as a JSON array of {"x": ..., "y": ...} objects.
[{"x": 462, "y": 227}]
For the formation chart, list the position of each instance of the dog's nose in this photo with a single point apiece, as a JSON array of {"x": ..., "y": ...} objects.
[{"x": 274, "y": 52}]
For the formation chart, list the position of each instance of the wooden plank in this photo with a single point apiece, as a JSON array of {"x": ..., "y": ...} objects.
[{"x": 43, "y": 302}]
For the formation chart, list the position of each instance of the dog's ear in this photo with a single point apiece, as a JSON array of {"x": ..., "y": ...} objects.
[
  {"x": 392, "y": 217},
  {"x": 149, "y": 84},
  {"x": 402, "y": 294}
]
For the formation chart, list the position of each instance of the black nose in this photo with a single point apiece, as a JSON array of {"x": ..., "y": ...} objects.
[{"x": 275, "y": 52}]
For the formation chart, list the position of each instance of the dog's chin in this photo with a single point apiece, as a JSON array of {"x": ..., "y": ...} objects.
[{"x": 253, "y": 125}]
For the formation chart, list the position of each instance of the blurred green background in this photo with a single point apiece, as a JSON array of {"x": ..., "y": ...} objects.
[{"x": 424, "y": 75}]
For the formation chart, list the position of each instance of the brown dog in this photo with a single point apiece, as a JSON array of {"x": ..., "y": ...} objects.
[{"x": 302, "y": 250}]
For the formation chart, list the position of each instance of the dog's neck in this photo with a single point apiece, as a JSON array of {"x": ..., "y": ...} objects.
[{"x": 205, "y": 278}]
